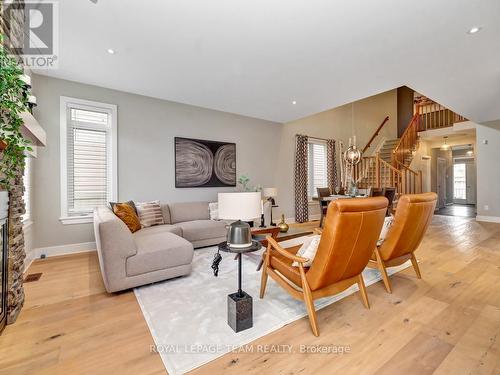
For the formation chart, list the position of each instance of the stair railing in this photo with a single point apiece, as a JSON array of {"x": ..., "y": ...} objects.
[
  {"x": 433, "y": 115},
  {"x": 373, "y": 171},
  {"x": 407, "y": 143},
  {"x": 375, "y": 134},
  {"x": 411, "y": 181}
]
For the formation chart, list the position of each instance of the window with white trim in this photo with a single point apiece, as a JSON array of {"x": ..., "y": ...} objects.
[
  {"x": 88, "y": 158},
  {"x": 317, "y": 171},
  {"x": 26, "y": 218}
]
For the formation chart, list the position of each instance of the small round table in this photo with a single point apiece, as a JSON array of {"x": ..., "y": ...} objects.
[{"x": 239, "y": 304}]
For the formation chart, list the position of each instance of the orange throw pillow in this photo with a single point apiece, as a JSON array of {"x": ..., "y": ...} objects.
[{"x": 127, "y": 214}]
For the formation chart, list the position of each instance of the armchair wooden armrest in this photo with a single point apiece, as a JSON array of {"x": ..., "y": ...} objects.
[
  {"x": 273, "y": 245},
  {"x": 318, "y": 231}
]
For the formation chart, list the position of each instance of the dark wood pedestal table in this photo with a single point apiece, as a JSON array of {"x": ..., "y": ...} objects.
[{"x": 239, "y": 304}]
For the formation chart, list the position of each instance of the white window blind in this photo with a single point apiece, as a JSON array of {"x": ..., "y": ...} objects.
[
  {"x": 90, "y": 171},
  {"x": 317, "y": 171},
  {"x": 27, "y": 190}
]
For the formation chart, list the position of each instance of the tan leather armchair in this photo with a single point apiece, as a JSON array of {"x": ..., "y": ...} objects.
[
  {"x": 351, "y": 231},
  {"x": 413, "y": 216}
]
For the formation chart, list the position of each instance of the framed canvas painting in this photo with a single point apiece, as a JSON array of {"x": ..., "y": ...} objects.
[{"x": 202, "y": 163}]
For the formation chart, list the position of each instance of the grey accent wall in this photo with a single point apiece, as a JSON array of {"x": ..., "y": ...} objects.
[
  {"x": 488, "y": 171},
  {"x": 405, "y": 108},
  {"x": 146, "y": 131}
]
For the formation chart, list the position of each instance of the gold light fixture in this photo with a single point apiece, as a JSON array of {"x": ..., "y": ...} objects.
[
  {"x": 470, "y": 152},
  {"x": 445, "y": 145}
]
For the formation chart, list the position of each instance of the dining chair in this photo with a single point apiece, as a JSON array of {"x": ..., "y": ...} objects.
[
  {"x": 377, "y": 192},
  {"x": 323, "y": 204},
  {"x": 413, "y": 216},
  {"x": 352, "y": 228},
  {"x": 390, "y": 194}
]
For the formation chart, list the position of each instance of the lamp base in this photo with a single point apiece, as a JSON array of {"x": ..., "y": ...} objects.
[
  {"x": 239, "y": 311},
  {"x": 262, "y": 223}
]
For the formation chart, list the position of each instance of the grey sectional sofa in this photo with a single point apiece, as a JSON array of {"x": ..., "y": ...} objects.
[{"x": 155, "y": 253}]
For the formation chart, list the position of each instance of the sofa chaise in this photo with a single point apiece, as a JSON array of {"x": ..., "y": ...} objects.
[{"x": 154, "y": 253}]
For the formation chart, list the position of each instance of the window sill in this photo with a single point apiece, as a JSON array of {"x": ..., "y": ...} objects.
[
  {"x": 69, "y": 220},
  {"x": 27, "y": 223}
]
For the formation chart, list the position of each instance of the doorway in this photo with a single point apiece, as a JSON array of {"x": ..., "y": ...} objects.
[{"x": 463, "y": 181}]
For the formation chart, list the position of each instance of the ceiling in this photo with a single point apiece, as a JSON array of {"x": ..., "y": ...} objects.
[{"x": 255, "y": 57}]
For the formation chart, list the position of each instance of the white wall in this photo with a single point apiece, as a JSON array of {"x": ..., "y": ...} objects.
[
  {"x": 339, "y": 123},
  {"x": 146, "y": 130},
  {"x": 488, "y": 171},
  {"x": 422, "y": 162}
]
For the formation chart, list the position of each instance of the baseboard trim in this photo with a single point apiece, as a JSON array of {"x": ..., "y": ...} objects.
[
  {"x": 52, "y": 251},
  {"x": 30, "y": 257},
  {"x": 489, "y": 219}
]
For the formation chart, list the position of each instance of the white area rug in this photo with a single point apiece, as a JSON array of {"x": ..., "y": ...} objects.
[{"x": 187, "y": 316}]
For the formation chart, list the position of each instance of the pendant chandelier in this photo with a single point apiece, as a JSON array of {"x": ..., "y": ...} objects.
[{"x": 352, "y": 155}]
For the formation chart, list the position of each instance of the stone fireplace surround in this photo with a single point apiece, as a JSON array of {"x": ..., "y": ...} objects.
[{"x": 16, "y": 252}]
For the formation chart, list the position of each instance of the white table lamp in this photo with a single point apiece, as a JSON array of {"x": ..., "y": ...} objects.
[{"x": 239, "y": 206}]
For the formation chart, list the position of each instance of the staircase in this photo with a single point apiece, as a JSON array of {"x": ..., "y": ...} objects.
[
  {"x": 390, "y": 166},
  {"x": 387, "y": 151},
  {"x": 387, "y": 176}
]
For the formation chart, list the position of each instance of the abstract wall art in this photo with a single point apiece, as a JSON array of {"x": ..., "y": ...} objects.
[{"x": 202, "y": 163}]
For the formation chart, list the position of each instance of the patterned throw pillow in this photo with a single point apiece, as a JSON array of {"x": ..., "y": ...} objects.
[
  {"x": 149, "y": 213},
  {"x": 130, "y": 203},
  {"x": 127, "y": 214}
]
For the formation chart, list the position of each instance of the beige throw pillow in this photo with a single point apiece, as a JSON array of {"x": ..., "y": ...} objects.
[
  {"x": 385, "y": 229},
  {"x": 308, "y": 250},
  {"x": 213, "y": 208},
  {"x": 149, "y": 213}
]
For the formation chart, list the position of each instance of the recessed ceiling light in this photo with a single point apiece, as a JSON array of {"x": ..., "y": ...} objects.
[
  {"x": 474, "y": 30},
  {"x": 294, "y": 102},
  {"x": 111, "y": 51}
]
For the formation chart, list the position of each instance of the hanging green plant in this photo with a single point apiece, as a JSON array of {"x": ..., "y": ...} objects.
[{"x": 13, "y": 103}]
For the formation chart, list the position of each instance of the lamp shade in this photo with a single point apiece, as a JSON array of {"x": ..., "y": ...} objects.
[
  {"x": 239, "y": 206},
  {"x": 270, "y": 192}
]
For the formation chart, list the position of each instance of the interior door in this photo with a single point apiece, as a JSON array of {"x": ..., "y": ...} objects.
[
  {"x": 471, "y": 183},
  {"x": 441, "y": 182},
  {"x": 460, "y": 182}
]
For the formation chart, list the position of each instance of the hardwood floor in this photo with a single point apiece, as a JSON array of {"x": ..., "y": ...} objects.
[
  {"x": 463, "y": 210},
  {"x": 446, "y": 323}
]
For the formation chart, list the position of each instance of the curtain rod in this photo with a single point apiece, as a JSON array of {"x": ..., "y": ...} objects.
[{"x": 318, "y": 138}]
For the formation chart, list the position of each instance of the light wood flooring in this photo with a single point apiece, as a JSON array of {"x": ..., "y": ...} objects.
[{"x": 446, "y": 323}]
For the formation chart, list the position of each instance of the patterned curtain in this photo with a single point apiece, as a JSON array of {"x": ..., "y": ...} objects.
[
  {"x": 301, "y": 201},
  {"x": 331, "y": 165}
]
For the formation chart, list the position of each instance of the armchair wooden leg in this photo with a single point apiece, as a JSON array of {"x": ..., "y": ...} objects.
[
  {"x": 263, "y": 279},
  {"x": 362, "y": 290},
  {"x": 311, "y": 311},
  {"x": 415, "y": 265},
  {"x": 381, "y": 267}
]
